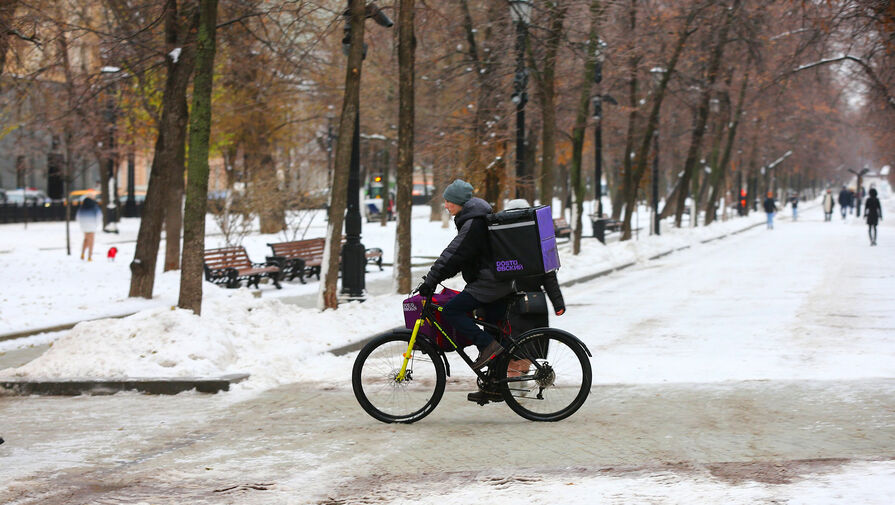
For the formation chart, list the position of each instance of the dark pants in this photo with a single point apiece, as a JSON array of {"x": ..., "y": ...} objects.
[{"x": 455, "y": 314}]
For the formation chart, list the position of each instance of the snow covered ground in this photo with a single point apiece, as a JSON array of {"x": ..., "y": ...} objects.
[
  {"x": 233, "y": 335},
  {"x": 688, "y": 328}
]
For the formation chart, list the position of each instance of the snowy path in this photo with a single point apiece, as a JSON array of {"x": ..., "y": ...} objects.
[
  {"x": 754, "y": 369},
  {"x": 304, "y": 445}
]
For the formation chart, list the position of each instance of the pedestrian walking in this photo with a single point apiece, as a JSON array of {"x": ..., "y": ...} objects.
[
  {"x": 851, "y": 201},
  {"x": 89, "y": 217},
  {"x": 770, "y": 208},
  {"x": 828, "y": 204},
  {"x": 843, "y": 202},
  {"x": 794, "y": 203},
  {"x": 873, "y": 214}
]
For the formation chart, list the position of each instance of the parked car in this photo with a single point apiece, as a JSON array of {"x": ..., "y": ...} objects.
[
  {"x": 78, "y": 196},
  {"x": 2, "y": 196},
  {"x": 31, "y": 196}
]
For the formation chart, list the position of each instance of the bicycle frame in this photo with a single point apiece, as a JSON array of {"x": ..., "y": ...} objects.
[{"x": 425, "y": 317}]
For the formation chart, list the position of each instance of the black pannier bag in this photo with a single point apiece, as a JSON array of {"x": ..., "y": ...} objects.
[{"x": 522, "y": 242}]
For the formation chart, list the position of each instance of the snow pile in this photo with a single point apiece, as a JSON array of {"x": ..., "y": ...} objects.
[{"x": 238, "y": 333}]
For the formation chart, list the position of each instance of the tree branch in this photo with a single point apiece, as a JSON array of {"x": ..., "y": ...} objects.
[{"x": 890, "y": 100}]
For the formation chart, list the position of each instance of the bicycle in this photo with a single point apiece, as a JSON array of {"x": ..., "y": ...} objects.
[{"x": 544, "y": 374}]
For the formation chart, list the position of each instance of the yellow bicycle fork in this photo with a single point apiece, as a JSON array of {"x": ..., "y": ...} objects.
[{"x": 407, "y": 354}]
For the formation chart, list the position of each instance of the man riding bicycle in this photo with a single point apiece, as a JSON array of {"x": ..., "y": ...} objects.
[{"x": 470, "y": 253}]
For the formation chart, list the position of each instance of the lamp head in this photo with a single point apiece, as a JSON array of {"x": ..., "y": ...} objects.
[
  {"x": 375, "y": 12},
  {"x": 520, "y": 10}
]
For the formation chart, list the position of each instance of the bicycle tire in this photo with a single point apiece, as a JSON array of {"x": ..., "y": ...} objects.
[
  {"x": 390, "y": 401},
  {"x": 559, "y": 388}
]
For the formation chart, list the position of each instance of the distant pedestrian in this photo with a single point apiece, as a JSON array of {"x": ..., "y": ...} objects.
[
  {"x": 828, "y": 205},
  {"x": 843, "y": 202},
  {"x": 851, "y": 201},
  {"x": 770, "y": 208},
  {"x": 873, "y": 214},
  {"x": 89, "y": 217},
  {"x": 794, "y": 203}
]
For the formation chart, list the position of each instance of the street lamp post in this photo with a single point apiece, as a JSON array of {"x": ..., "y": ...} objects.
[
  {"x": 598, "y": 134},
  {"x": 655, "y": 177},
  {"x": 858, "y": 195},
  {"x": 657, "y": 75},
  {"x": 353, "y": 257},
  {"x": 520, "y": 11},
  {"x": 111, "y": 116}
]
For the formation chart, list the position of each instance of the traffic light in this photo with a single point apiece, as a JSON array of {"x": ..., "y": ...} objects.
[{"x": 742, "y": 207}]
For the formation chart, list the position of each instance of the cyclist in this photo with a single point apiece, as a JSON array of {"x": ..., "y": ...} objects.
[{"x": 470, "y": 253}]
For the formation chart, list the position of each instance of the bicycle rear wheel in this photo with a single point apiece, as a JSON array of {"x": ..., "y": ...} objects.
[
  {"x": 548, "y": 376},
  {"x": 380, "y": 394}
]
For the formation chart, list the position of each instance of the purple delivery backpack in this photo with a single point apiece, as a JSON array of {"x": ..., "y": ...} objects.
[{"x": 522, "y": 242}]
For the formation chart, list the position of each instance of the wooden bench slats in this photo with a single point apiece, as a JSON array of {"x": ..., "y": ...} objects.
[
  {"x": 561, "y": 228},
  {"x": 230, "y": 265},
  {"x": 299, "y": 258}
]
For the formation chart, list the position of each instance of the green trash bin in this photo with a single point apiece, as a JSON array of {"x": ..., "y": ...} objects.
[{"x": 599, "y": 225}]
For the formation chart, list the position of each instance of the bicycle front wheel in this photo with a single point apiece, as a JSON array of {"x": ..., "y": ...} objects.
[
  {"x": 546, "y": 376},
  {"x": 376, "y": 385}
]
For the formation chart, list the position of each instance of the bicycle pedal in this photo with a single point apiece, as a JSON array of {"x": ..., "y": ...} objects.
[{"x": 483, "y": 399}]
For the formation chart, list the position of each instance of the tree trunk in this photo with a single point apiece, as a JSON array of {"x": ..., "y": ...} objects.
[
  {"x": 626, "y": 178},
  {"x": 7, "y": 14},
  {"x": 703, "y": 112},
  {"x": 174, "y": 194},
  {"x": 386, "y": 192},
  {"x": 329, "y": 295},
  {"x": 197, "y": 192},
  {"x": 482, "y": 167},
  {"x": 439, "y": 183},
  {"x": 406, "y": 62},
  {"x": 546, "y": 82},
  {"x": 725, "y": 157},
  {"x": 577, "y": 181},
  {"x": 636, "y": 174},
  {"x": 146, "y": 253}
]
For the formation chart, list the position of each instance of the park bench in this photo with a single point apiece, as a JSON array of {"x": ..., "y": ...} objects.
[
  {"x": 231, "y": 265},
  {"x": 301, "y": 258},
  {"x": 613, "y": 225},
  {"x": 561, "y": 228}
]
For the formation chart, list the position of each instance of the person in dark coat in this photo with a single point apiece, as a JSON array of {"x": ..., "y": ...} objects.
[
  {"x": 794, "y": 203},
  {"x": 470, "y": 253},
  {"x": 770, "y": 208},
  {"x": 843, "y": 201},
  {"x": 873, "y": 214}
]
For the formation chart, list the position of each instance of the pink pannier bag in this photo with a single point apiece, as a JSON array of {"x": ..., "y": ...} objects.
[{"x": 413, "y": 307}]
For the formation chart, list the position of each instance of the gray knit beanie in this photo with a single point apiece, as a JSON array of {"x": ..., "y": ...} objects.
[{"x": 458, "y": 192}]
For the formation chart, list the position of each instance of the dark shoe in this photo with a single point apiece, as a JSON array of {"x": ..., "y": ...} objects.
[
  {"x": 490, "y": 352},
  {"x": 482, "y": 397}
]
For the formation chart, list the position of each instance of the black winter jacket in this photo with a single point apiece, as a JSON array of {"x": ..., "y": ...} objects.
[
  {"x": 470, "y": 253},
  {"x": 873, "y": 212}
]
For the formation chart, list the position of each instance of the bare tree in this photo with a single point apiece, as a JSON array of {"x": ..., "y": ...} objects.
[
  {"x": 200, "y": 131},
  {"x": 329, "y": 296},
  {"x": 179, "y": 29},
  {"x": 406, "y": 62}
]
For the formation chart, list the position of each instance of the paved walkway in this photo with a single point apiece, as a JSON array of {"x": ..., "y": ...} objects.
[{"x": 304, "y": 444}]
